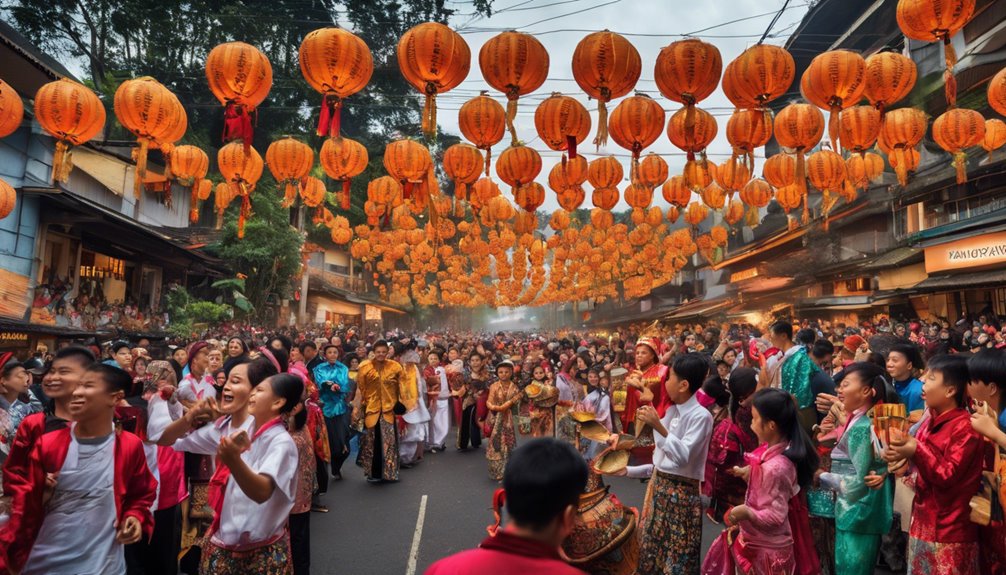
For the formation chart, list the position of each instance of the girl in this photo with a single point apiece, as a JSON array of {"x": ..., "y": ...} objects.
[
  {"x": 776, "y": 471},
  {"x": 503, "y": 395},
  {"x": 732, "y": 438},
  {"x": 258, "y": 483},
  {"x": 300, "y": 515},
  {"x": 543, "y": 405},
  {"x": 862, "y": 514},
  {"x": 598, "y": 399},
  {"x": 438, "y": 397}
]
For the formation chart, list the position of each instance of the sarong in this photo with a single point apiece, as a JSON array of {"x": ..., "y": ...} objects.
[
  {"x": 927, "y": 558},
  {"x": 273, "y": 559},
  {"x": 379, "y": 449},
  {"x": 670, "y": 530}
]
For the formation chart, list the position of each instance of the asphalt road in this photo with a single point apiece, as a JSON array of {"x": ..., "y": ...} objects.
[{"x": 372, "y": 529}]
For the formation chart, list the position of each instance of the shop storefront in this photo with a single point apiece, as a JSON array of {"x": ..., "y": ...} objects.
[{"x": 965, "y": 277}]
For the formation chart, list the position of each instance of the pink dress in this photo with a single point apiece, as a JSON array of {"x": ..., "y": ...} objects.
[{"x": 765, "y": 543}]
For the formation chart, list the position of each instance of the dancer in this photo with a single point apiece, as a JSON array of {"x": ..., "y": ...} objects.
[
  {"x": 438, "y": 398},
  {"x": 412, "y": 442},
  {"x": 543, "y": 405},
  {"x": 336, "y": 391},
  {"x": 378, "y": 381},
  {"x": 503, "y": 395}
]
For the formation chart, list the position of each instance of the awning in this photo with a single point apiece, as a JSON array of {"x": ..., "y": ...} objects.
[
  {"x": 110, "y": 172},
  {"x": 836, "y": 302},
  {"x": 896, "y": 257},
  {"x": 961, "y": 281},
  {"x": 699, "y": 308}
]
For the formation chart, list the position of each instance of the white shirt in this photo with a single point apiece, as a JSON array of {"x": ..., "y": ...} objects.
[
  {"x": 160, "y": 414},
  {"x": 418, "y": 414},
  {"x": 244, "y": 522},
  {"x": 683, "y": 451},
  {"x": 445, "y": 390},
  {"x": 78, "y": 533},
  {"x": 192, "y": 390},
  {"x": 206, "y": 439}
]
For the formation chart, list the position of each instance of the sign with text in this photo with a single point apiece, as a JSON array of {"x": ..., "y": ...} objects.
[{"x": 984, "y": 250}]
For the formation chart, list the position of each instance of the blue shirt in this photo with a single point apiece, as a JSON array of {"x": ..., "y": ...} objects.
[
  {"x": 910, "y": 392},
  {"x": 334, "y": 403}
]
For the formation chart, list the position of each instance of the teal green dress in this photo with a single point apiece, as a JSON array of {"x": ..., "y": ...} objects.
[{"x": 862, "y": 514}]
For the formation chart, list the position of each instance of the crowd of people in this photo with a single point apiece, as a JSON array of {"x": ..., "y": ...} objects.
[{"x": 821, "y": 448}]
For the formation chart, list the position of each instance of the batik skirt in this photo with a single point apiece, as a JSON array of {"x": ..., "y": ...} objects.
[
  {"x": 928, "y": 558},
  {"x": 502, "y": 442},
  {"x": 379, "y": 449},
  {"x": 670, "y": 530},
  {"x": 272, "y": 559}
]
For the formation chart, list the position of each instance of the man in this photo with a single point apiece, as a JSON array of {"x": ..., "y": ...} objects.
[
  {"x": 541, "y": 486},
  {"x": 378, "y": 381},
  {"x": 336, "y": 391},
  {"x": 417, "y": 415},
  {"x": 84, "y": 475},
  {"x": 121, "y": 356},
  {"x": 792, "y": 371},
  {"x": 309, "y": 350}
]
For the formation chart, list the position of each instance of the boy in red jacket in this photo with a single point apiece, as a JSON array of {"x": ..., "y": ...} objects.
[{"x": 87, "y": 474}]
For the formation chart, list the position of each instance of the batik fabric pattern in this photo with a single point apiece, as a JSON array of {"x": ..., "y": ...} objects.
[
  {"x": 273, "y": 559},
  {"x": 670, "y": 529},
  {"x": 928, "y": 558},
  {"x": 380, "y": 441},
  {"x": 503, "y": 438}
]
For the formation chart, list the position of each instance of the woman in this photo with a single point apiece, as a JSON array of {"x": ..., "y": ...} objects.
[
  {"x": 542, "y": 410},
  {"x": 862, "y": 514},
  {"x": 476, "y": 381},
  {"x": 438, "y": 399},
  {"x": 257, "y": 490},
  {"x": 237, "y": 350},
  {"x": 336, "y": 391},
  {"x": 215, "y": 359},
  {"x": 776, "y": 471},
  {"x": 140, "y": 375},
  {"x": 503, "y": 395}
]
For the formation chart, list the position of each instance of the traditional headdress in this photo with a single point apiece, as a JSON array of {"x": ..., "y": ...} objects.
[{"x": 650, "y": 337}]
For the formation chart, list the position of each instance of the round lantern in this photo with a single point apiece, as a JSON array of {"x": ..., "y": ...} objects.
[
  {"x": 635, "y": 123},
  {"x": 734, "y": 212},
  {"x": 827, "y": 172},
  {"x": 559, "y": 220},
  {"x": 789, "y": 198},
  {"x": 463, "y": 163},
  {"x": 605, "y": 172},
  {"x": 997, "y": 92},
  {"x": 935, "y": 21},
  {"x": 338, "y": 64},
  {"x": 343, "y": 159},
  {"x": 312, "y": 193},
  {"x": 562, "y": 123},
  {"x": 713, "y": 196},
  {"x": 638, "y": 196},
  {"x": 759, "y": 75},
  {"x": 863, "y": 169},
  {"x": 482, "y": 121},
  {"x": 757, "y": 193},
  {"x": 604, "y": 198},
  {"x": 240, "y": 77},
  {"x": 692, "y": 130},
  {"x": 518, "y": 165},
  {"x": 408, "y": 162},
  {"x": 780, "y": 170},
  {"x": 241, "y": 171},
  {"x": 11, "y": 109},
  {"x": 570, "y": 198},
  {"x": 833, "y": 81},
  {"x": 799, "y": 126},
  {"x": 696, "y": 213},
  {"x": 71, "y": 113},
  {"x": 995, "y": 135},
  {"x": 530, "y": 196},
  {"x": 687, "y": 71},
  {"x": 434, "y": 59},
  {"x": 748, "y": 130},
  {"x": 289, "y": 161},
  {"x": 651, "y": 171},
  {"x": 8, "y": 199},
  {"x": 189, "y": 166},
  {"x": 569, "y": 174},
  {"x": 699, "y": 173},
  {"x": 516, "y": 64},
  {"x": 605, "y": 66},
  {"x": 732, "y": 175},
  {"x": 859, "y": 128},
  {"x": 889, "y": 78},
  {"x": 902, "y": 130},
  {"x": 676, "y": 191},
  {"x": 958, "y": 129}
]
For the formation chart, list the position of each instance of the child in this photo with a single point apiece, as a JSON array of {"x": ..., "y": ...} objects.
[
  {"x": 731, "y": 439},
  {"x": 503, "y": 395},
  {"x": 438, "y": 396},
  {"x": 249, "y": 532},
  {"x": 862, "y": 514},
  {"x": 946, "y": 454},
  {"x": 782, "y": 466},
  {"x": 986, "y": 388},
  {"x": 300, "y": 515},
  {"x": 903, "y": 361},
  {"x": 542, "y": 410},
  {"x": 84, "y": 474},
  {"x": 671, "y": 523}
]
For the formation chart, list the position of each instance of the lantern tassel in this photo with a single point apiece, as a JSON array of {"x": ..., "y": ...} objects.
[
  {"x": 901, "y": 167},
  {"x": 194, "y": 204},
  {"x": 511, "y": 115},
  {"x": 141, "y": 167},
  {"x": 330, "y": 119},
  {"x": 826, "y": 204},
  {"x": 961, "y": 164},
  {"x": 571, "y": 146},
  {"x": 601, "y": 138},
  {"x": 346, "y": 185},
  {"x": 61, "y": 162},
  {"x": 950, "y": 57},
  {"x": 167, "y": 150},
  {"x": 243, "y": 215},
  {"x": 429, "y": 123},
  {"x": 238, "y": 124},
  {"x": 290, "y": 195},
  {"x": 834, "y": 125},
  {"x": 489, "y": 155},
  {"x": 805, "y": 218},
  {"x": 801, "y": 172}
]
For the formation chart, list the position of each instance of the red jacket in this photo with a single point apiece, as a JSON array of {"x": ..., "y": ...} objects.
[
  {"x": 505, "y": 554},
  {"x": 135, "y": 488},
  {"x": 15, "y": 469},
  {"x": 949, "y": 463}
]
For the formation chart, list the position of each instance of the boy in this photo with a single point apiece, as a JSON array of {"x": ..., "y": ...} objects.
[
  {"x": 542, "y": 485},
  {"x": 946, "y": 454},
  {"x": 903, "y": 360},
  {"x": 671, "y": 523},
  {"x": 82, "y": 475}
]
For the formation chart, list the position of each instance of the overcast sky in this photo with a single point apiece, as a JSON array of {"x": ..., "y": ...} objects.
[{"x": 649, "y": 25}]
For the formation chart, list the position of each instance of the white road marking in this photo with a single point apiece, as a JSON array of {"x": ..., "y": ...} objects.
[{"x": 414, "y": 553}]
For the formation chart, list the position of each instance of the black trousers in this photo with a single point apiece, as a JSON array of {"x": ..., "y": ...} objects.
[
  {"x": 321, "y": 473},
  {"x": 339, "y": 434},
  {"x": 300, "y": 542},
  {"x": 159, "y": 556},
  {"x": 468, "y": 429}
]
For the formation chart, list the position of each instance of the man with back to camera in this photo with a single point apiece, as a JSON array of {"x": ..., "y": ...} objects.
[{"x": 542, "y": 485}]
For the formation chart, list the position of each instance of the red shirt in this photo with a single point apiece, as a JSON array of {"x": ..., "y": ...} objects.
[
  {"x": 949, "y": 463},
  {"x": 505, "y": 554}
]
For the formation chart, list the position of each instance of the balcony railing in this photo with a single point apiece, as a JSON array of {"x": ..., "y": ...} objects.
[{"x": 341, "y": 281}]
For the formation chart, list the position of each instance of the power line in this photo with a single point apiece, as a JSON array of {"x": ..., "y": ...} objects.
[{"x": 773, "y": 22}]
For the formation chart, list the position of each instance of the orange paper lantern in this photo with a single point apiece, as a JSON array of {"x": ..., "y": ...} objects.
[
  {"x": 11, "y": 109},
  {"x": 889, "y": 78},
  {"x": 338, "y": 64},
  {"x": 748, "y": 130},
  {"x": 434, "y": 59},
  {"x": 516, "y": 64},
  {"x": 482, "y": 121},
  {"x": 562, "y": 123},
  {"x": 343, "y": 159},
  {"x": 833, "y": 81},
  {"x": 958, "y": 129},
  {"x": 935, "y": 21},
  {"x": 71, "y": 113},
  {"x": 676, "y": 191},
  {"x": 518, "y": 165},
  {"x": 995, "y": 135},
  {"x": 605, "y": 66},
  {"x": 241, "y": 171},
  {"x": 240, "y": 76},
  {"x": 605, "y": 172},
  {"x": 687, "y": 71},
  {"x": 289, "y": 161},
  {"x": 759, "y": 75}
]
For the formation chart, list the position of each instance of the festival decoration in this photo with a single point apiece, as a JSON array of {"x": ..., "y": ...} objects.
[
  {"x": 11, "y": 109},
  {"x": 651, "y": 172},
  {"x": 482, "y": 121},
  {"x": 562, "y": 123},
  {"x": 997, "y": 92},
  {"x": 241, "y": 171},
  {"x": 863, "y": 169},
  {"x": 516, "y": 64},
  {"x": 732, "y": 175},
  {"x": 71, "y": 113},
  {"x": 189, "y": 165},
  {"x": 676, "y": 191},
  {"x": 901, "y": 130},
  {"x": 748, "y": 130},
  {"x": 759, "y": 75},
  {"x": 958, "y": 129},
  {"x": 635, "y": 123},
  {"x": 8, "y": 199},
  {"x": 605, "y": 172},
  {"x": 780, "y": 170},
  {"x": 937, "y": 21},
  {"x": 859, "y": 128},
  {"x": 343, "y": 159},
  {"x": 434, "y": 59},
  {"x": 408, "y": 162},
  {"x": 833, "y": 81},
  {"x": 289, "y": 162},
  {"x": 530, "y": 196},
  {"x": 240, "y": 76},
  {"x": 800, "y": 127},
  {"x": 338, "y": 64},
  {"x": 827, "y": 172},
  {"x": 889, "y": 78},
  {"x": 687, "y": 71},
  {"x": 518, "y": 165},
  {"x": 605, "y": 66},
  {"x": 691, "y": 130},
  {"x": 151, "y": 113},
  {"x": 995, "y": 135}
]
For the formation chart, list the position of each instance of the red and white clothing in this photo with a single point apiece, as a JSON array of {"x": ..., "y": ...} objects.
[
  {"x": 505, "y": 554},
  {"x": 440, "y": 418},
  {"x": 170, "y": 464},
  {"x": 100, "y": 482},
  {"x": 193, "y": 389}
]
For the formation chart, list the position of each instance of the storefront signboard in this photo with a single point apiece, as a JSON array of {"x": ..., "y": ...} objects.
[{"x": 978, "y": 251}]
